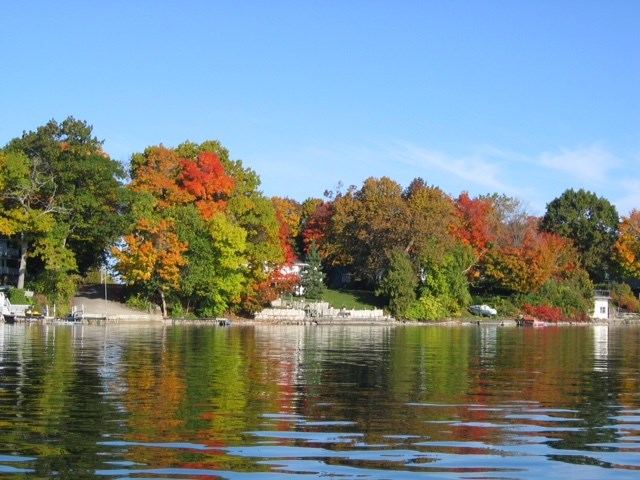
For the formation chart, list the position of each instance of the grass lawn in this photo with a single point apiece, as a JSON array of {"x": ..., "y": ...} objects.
[{"x": 356, "y": 299}]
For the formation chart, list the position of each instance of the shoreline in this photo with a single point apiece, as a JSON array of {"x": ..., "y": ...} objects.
[{"x": 155, "y": 319}]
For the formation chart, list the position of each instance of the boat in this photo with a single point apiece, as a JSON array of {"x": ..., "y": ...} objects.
[
  {"x": 527, "y": 321},
  {"x": 7, "y": 311}
]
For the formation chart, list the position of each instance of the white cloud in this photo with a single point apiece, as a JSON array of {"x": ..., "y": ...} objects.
[
  {"x": 630, "y": 196},
  {"x": 591, "y": 165},
  {"x": 475, "y": 169},
  {"x": 533, "y": 178}
]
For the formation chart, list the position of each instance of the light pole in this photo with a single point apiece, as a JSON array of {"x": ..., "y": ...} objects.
[{"x": 103, "y": 278}]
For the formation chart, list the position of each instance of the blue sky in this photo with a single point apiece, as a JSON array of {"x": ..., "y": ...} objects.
[{"x": 523, "y": 98}]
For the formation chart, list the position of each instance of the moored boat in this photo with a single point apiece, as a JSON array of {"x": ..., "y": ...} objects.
[{"x": 527, "y": 321}]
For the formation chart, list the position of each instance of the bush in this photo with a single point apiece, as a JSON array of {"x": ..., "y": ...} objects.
[
  {"x": 543, "y": 312},
  {"x": 572, "y": 296},
  {"x": 178, "y": 311},
  {"x": 139, "y": 302},
  {"x": 17, "y": 297},
  {"x": 623, "y": 297},
  {"x": 59, "y": 288},
  {"x": 427, "y": 308}
]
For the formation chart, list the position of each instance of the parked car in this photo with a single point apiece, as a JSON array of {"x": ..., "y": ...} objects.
[{"x": 483, "y": 310}]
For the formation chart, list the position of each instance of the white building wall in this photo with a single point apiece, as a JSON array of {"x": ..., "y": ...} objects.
[{"x": 601, "y": 308}]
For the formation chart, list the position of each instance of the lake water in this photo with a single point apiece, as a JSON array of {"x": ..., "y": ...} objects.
[{"x": 187, "y": 402}]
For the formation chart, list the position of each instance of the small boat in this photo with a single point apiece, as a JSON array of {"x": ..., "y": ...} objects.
[{"x": 526, "y": 321}]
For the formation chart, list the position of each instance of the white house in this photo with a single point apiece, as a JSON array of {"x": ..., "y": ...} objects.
[
  {"x": 602, "y": 301},
  {"x": 296, "y": 269}
]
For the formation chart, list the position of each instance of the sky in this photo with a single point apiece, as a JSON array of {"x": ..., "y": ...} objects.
[{"x": 523, "y": 98}]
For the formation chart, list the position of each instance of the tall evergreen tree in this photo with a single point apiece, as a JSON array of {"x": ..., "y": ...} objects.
[
  {"x": 312, "y": 275},
  {"x": 399, "y": 284}
]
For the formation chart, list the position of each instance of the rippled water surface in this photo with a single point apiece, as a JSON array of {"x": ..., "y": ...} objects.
[{"x": 251, "y": 403}]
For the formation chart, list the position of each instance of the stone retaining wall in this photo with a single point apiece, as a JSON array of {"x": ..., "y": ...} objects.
[
  {"x": 270, "y": 314},
  {"x": 299, "y": 311}
]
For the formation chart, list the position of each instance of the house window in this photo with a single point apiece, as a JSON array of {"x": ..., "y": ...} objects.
[{"x": 603, "y": 309}]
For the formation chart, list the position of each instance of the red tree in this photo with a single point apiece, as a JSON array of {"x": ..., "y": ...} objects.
[{"x": 207, "y": 181}]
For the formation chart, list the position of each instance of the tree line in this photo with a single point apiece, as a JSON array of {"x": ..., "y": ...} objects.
[{"x": 189, "y": 228}]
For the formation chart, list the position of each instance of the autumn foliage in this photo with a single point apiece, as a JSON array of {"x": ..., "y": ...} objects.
[
  {"x": 152, "y": 254},
  {"x": 317, "y": 225},
  {"x": 627, "y": 247},
  {"x": 225, "y": 240},
  {"x": 528, "y": 266},
  {"x": 205, "y": 179},
  {"x": 193, "y": 226},
  {"x": 156, "y": 172},
  {"x": 477, "y": 226},
  {"x": 543, "y": 312}
]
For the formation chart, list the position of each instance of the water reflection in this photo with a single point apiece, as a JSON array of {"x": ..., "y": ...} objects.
[{"x": 301, "y": 402}]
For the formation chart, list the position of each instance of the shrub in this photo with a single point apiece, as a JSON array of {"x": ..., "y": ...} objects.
[
  {"x": 427, "y": 308},
  {"x": 139, "y": 302},
  {"x": 623, "y": 297},
  {"x": 543, "y": 312},
  {"x": 17, "y": 297}
]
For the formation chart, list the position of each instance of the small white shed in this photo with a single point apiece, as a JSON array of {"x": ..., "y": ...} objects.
[{"x": 601, "y": 304}]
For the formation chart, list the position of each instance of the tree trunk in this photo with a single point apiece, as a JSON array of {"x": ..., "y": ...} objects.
[
  {"x": 164, "y": 304},
  {"x": 22, "y": 269}
]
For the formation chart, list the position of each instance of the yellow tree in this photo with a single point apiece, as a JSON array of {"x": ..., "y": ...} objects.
[
  {"x": 366, "y": 227},
  {"x": 627, "y": 247},
  {"x": 27, "y": 204},
  {"x": 290, "y": 212},
  {"x": 432, "y": 216},
  {"x": 152, "y": 256}
]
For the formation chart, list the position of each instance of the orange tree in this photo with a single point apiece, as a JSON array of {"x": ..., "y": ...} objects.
[
  {"x": 226, "y": 232},
  {"x": 524, "y": 266},
  {"x": 477, "y": 227},
  {"x": 627, "y": 247},
  {"x": 152, "y": 256}
]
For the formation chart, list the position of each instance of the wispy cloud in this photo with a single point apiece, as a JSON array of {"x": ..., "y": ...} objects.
[
  {"x": 536, "y": 178},
  {"x": 475, "y": 169},
  {"x": 590, "y": 165}
]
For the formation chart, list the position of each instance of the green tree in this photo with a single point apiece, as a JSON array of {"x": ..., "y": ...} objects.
[
  {"x": 227, "y": 278},
  {"x": 80, "y": 184},
  {"x": 399, "y": 284},
  {"x": 366, "y": 226},
  {"x": 312, "y": 275},
  {"x": 58, "y": 276},
  {"x": 233, "y": 233},
  {"x": 249, "y": 209},
  {"x": 591, "y": 222}
]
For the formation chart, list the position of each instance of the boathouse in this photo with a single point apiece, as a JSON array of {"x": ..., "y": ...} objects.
[{"x": 601, "y": 304}]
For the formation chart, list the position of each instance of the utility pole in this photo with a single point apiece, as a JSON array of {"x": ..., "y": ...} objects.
[{"x": 103, "y": 278}]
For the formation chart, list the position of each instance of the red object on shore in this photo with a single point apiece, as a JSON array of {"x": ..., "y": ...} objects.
[{"x": 526, "y": 321}]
